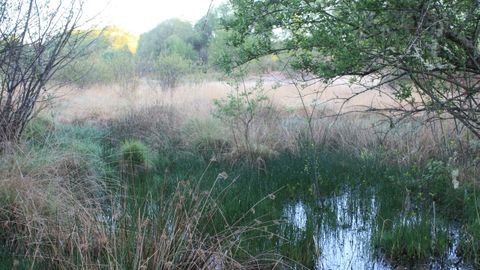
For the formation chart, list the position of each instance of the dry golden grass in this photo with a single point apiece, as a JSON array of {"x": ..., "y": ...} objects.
[
  {"x": 106, "y": 102},
  {"x": 274, "y": 128},
  {"x": 49, "y": 206}
]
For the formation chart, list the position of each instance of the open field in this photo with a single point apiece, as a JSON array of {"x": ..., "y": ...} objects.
[{"x": 197, "y": 99}]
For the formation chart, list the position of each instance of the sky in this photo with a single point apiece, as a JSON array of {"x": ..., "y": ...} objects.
[{"x": 139, "y": 16}]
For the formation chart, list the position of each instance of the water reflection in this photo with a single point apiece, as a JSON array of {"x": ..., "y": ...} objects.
[
  {"x": 296, "y": 215},
  {"x": 342, "y": 232},
  {"x": 345, "y": 243}
]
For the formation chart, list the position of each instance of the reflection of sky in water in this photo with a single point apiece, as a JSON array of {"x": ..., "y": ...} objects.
[
  {"x": 347, "y": 246},
  {"x": 343, "y": 234},
  {"x": 343, "y": 246},
  {"x": 296, "y": 215}
]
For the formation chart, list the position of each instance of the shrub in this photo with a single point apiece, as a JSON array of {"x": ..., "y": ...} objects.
[
  {"x": 170, "y": 69},
  {"x": 239, "y": 110}
]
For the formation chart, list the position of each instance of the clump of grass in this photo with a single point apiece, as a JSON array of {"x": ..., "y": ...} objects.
[
  {"x": 469, "y": 246},
  {"x": 49, "y": 203},
  {"x": 134, "y": 153},
  {"x": 412, "y": 242},
  {"x": 207, "y": 136},
  {"x": 158, "y": 126},
  {"x": 39, "y": 128}
]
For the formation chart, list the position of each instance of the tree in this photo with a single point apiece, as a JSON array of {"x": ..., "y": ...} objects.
[
  {"x": 205, "y": 31},
  {"x": 220, "y": 52},
  {"x": 426, "y": 51},
  {"x": 175, "y": 45},
  {"x": 119, "y": 38},
  {"x": 107, "y": 57},
  {"x": 240, "y": 108},
  {"x": 36, "y": 40},
  {"x": 159, "y": 40}
]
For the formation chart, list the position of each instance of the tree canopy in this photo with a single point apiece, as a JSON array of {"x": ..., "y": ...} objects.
[
  {"x": 429, "y": 48},
  {"x": 152, "y": 43},
  {"x": 119, "y": 38}
]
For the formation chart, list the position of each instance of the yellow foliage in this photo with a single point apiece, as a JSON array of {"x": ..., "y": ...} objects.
[{"x": 120, "y": 38}]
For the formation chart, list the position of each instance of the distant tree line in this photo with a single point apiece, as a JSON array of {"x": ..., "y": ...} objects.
[{"x": 165, "y": 54}]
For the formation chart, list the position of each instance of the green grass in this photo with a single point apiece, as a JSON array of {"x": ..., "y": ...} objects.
[
  {"x": 292, "y": 176},
  {"x": 134, "y": 154},
  {"x": 411, "y": 243},
  {"x": 469, "y": 246}
]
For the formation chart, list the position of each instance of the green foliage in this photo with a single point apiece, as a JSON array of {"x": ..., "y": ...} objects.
[
  {"x": 239, "y": 110},
  {"x": 219, "y": 52},
  {"x": 207, "y": 30},
  {"x": 175, "y": 36},
  {"x": 412, "y": 242},
  {"x": 134, "y": 153},
  {"x": 175, "y": 45},
  {"x": 108, "y": 57},
  {"x": 121, "y": 68},
  {"x": 170, "y": 51},
  {"x": 429, "y": 44},
  {"x": 171, "y": 68},
  {"x": 241, "y": 104},
  {"x": 173, "y": 32}
]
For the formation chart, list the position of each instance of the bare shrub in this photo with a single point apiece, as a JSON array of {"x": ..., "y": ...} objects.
[{"x": 38, "y": 39}]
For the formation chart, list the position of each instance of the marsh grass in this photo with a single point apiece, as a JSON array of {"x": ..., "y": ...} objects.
[
  {"x": 39, "y": 128},
  {"x": 469, "y": 247},
  {"x": 183, "y": 230},
  {"x": 67, "y": 204},
  {"x": 47, "y": 196},
  {"x": 412, "y": 243},
  {"x": 59, "y": 211},
  {"x": 351, "y": 155}
]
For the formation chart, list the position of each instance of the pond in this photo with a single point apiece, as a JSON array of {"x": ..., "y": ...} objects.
[
  {"x": 344, "y": 227},
  {"x": 342, "y": 212}
]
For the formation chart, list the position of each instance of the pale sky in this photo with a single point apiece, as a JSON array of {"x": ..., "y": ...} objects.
[{"x": 139, "y": 16}]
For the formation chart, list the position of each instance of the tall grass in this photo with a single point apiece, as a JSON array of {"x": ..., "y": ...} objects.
[
  {"x": 60, "y": 211},
  {"x": 50, "y": 201},
  {"x": 68, "y": 200}
]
